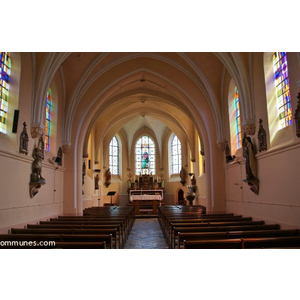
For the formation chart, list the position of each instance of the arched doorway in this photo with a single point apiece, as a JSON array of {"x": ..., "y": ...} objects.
[{"x": 180, "y": 198}]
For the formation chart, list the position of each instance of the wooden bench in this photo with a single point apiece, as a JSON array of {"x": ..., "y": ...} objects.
[
  {"x": 244, "y": 243},
  {"x": 213, "y": 244},
  {"x": 63, "y": 245},
  {"x": 108, "y": 236},
  {"x": 169, "y": 222},
  {"x": 77, "y": 224},
  {"x": 185, "y": 229},
  {"x": 233, "y": 234},
  {"x": 113, "y": 229},
  {"x": 173, "y": 235}
]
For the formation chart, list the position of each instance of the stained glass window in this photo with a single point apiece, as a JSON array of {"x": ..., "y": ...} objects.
[
  {"x": 48, "y": 119},
  {"x": 281, "y": 77},
  {"x": 145, "y": 156},
  {"x": 114, "y": 156},
  {"x": 5, "y": 69},
  {"x": 237, "y": 118},
  {"x": 176, "y": 155}
]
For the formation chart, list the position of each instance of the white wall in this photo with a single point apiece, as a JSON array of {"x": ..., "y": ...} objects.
[{"x": 278, "y": 199}]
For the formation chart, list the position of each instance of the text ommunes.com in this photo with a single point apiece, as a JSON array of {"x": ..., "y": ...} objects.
[{"x": 26, "y": 243}]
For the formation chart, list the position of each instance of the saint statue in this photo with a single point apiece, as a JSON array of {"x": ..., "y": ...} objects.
[
  {"x": 262, "y": 138},
  {"x": 251, "y": 171}
]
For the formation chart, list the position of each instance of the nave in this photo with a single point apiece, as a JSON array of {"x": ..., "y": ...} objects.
[
  {"x": 146, "y": 234},
  {"x": 175, "y": 226}
]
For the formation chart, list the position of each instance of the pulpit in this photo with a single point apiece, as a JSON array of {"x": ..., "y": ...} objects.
[{"x": 111, "y": 193}]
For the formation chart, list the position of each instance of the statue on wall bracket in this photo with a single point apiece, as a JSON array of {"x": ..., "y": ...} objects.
[
  {"x": 250, "y": 163},
  {"x": 107, "y": 178},
  {"x": 36, "y": 179},
  {"x": 297, "y": 117},
  {"x": 182, "y": 176},
  {"x": 24, "y": 140},
  {"x": 262, "y": 137}
]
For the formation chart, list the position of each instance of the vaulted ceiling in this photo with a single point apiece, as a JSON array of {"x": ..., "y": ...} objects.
[{"x": 114, "y": 92}]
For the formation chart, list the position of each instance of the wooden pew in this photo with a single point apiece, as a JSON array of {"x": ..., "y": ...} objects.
[
  {"x": 182, "y": 229},
  {"x": 213, "y": 244},
  {"x": 173, "y": 235},
  {"x": 113, "y": 229},
  {"x": 86, "y": 224},
  {"x": 167, "y": 225},
  {"x": 244, "y": 243},
  {"x": 234, "y": 234},
  {"x": 272, "y": 242},
  {"x": 86, "y": 233},
  {"x": 62, "y": 245}
]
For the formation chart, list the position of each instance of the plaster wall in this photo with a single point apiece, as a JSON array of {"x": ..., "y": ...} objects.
[
  {"x": 16, "y": 206},
  {"x": 278, "y": 199}
]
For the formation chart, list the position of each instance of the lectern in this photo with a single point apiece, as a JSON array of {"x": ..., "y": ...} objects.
[{"x": 111, "y": 193}]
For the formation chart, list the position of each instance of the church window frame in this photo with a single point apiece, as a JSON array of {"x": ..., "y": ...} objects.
[
  {"x": 5, "y": 71},
  {"x": 282, "y": 87},
  {"x": 234, "y": 113},
  {"x": 114, "y": 156},
  {"x": 145, "y": 156},
  {"x": 176, "y": 155},
  {"x": 48, "y": 124}
]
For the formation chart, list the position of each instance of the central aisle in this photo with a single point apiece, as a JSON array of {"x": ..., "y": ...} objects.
[{"x": 146, "y": 234}]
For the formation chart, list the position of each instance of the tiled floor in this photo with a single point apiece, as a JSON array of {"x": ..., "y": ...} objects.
[{"x": 146, "y": 234}]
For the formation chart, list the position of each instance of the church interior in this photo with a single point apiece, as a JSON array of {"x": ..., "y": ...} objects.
[
  {"x": 130, "y": 129},
  {"x": 97, "y": 115}
]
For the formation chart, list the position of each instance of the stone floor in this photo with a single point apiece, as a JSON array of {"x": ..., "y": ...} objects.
[{"x": 146, "y": 234}]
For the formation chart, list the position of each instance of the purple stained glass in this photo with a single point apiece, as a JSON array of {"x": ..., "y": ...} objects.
[
  {"x": 48, "y": 119},
  {"x": 5, "y": 69},
  {"x": 280, "y": 68}
]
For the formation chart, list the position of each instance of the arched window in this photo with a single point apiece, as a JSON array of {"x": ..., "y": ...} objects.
[
  {"x": 145, "y": 156},
  {"x": 114, "y": 156},
  {"x": 281, "y": 78},
  {"x": 48, "y": 119},
  {"x": 237, "y": 118},
  {"x": 5, "y": 69},
  {"x": 234, "y": 118},
  {"x": 176, "y": 155}
]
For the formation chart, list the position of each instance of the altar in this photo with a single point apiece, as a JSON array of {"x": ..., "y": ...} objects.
[{"x": 154, "y": 196}]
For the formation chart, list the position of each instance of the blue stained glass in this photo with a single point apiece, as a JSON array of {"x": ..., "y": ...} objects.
[
  {"x": 4, "y": 87},
  {"x": 280, "y": 68},
  {"x": 237, "y": 117},
  {"x": 48, "y": 119}
]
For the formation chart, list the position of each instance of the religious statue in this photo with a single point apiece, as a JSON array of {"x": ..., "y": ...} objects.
[
  {"x": 262, "y": 138},
  {"x": 38, "y": 155},
  {"x": 182, "y": 176},
  {"x": 59, "y": 156},
  {"x": 83, "y": 171},
  {"x": 97, "y": 182},
  {"x": 193, "y": 180},
  {"x": 250, "y": 163},
  {"x": 24, "y": 140},
  {"x": 297, "y": 117},
  {"x": 250, "y": 158},
  {"x": 107, "y": 177},
  {"x": 36, "y": 179}
]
